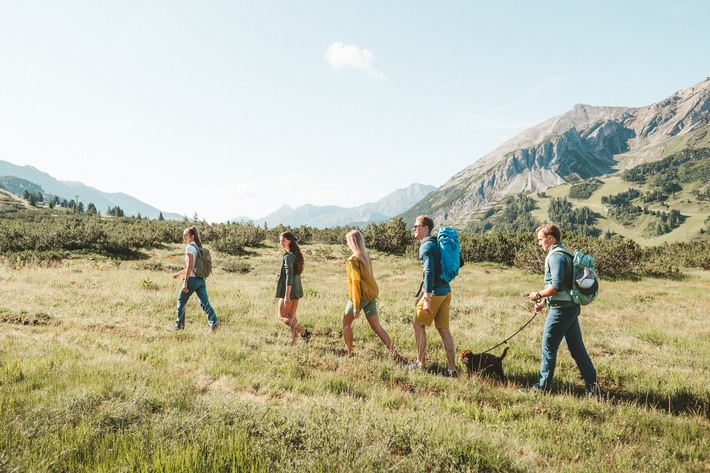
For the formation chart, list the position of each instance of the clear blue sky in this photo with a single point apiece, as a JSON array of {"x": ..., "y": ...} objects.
[{"x": 233, "y": 108}]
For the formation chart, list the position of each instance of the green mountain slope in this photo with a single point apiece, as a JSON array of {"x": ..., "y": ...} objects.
[{"x": 678, "y": 184}]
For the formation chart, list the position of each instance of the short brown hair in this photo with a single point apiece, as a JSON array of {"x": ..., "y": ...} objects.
[
  {"x": 550, "y": 229},
  {"x": 426, "y": 221}
]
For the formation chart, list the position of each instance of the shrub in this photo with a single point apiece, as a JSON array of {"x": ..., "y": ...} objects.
[
  {"x": 494, "y": 247},
  {"x": 389, "y": 237},
  {"x": 615, "y": 257},
  {"x": 233, "y": 265}
]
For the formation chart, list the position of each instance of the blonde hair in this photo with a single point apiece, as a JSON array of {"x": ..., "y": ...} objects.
[{"x": 356, "y": 243}]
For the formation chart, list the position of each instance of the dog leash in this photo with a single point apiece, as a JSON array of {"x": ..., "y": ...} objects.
[{"x": 519, "y": 330}]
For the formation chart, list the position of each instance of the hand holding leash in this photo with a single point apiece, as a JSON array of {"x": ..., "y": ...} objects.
[{"x": 538, "y": 299}]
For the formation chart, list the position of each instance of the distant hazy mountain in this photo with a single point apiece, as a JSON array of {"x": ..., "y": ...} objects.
[
  {"x": 330, "y": 215},
  {"x": 69, "y": 190},
  {"x": 583, "y": 143}
]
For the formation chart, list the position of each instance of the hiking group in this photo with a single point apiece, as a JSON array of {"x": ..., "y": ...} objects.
[{"x": 440, "y": 259}]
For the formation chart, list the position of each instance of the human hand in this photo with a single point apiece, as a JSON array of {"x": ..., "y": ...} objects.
[
  {"x": 356, "y": 313},
  {"x": 426, "y": 306}
]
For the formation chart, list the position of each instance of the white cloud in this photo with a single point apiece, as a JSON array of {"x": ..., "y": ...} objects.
[{"x": 341, "y": 55}]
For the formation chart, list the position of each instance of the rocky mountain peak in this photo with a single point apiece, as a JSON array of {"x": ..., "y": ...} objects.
[{"x": 587, "y": 141}]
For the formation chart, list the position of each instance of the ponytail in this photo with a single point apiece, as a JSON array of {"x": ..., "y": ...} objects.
[{"x": 192, "y": 231}]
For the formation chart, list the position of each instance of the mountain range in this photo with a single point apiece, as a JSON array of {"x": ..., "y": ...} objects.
[
  {"x": 327, "y": 216},
  {"x": 586, "y": 142},
  {"x": 69, "y": 190}
]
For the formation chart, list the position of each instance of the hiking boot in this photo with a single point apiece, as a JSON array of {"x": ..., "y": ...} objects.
[
  {"x": 451, "y": 373},
  {"x": 595, "y": 391},
  {"x": 399, "y": 359},
  {"x": 411, "y": 366},
  {"x": 306, "y": 336}
]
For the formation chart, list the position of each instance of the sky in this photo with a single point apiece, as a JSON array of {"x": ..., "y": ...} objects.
[{"x": 231, "y": 109}]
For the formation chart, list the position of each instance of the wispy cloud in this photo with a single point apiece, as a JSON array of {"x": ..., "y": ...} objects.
[{"x": 341, "y": 55}]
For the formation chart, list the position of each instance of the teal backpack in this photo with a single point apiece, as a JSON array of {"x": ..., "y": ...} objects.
[
  {"x": 585, "y": 282},
  {"x": 448, "y": 240}
]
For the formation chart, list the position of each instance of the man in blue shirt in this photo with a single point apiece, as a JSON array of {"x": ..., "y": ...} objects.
[
  {"x": 562, "y": 318},
  {"x": 435, "y": 300}
]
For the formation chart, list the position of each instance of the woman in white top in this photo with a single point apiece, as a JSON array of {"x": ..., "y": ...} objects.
[{"x": 192, "y": 283}]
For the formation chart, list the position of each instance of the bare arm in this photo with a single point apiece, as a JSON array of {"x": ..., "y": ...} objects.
[{"x": 186, "y": 271}]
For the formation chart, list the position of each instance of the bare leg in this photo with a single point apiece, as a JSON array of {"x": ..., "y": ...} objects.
[
  {"x": 448, "y": 347},
  {"x": 420, "y": 337},
  {"x": 348, "y": 333},
  {"x": 374, "y": 322},
  {"x": 288, "y": 317}
]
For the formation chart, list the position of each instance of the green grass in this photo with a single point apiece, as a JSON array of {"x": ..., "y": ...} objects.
[{"x": 92, "y": 380}]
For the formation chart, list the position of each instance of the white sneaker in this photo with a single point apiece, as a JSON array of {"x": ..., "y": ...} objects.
[{"x": 411, "y": 366}]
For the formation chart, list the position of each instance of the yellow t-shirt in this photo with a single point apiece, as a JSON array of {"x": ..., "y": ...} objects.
[{"x": 361, "y": 286}]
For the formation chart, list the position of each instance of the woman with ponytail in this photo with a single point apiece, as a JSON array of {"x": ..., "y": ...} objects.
[
  {"x": 363, "y": 292},
  {"x": 289, "y": 289},
  {"x": 192, "y": 283}
]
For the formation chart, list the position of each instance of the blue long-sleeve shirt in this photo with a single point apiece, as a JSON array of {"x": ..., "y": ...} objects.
[{"x": 431, "y": 263}]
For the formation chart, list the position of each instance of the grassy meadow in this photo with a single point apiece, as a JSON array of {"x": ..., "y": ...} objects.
[
  {"x": 92, "y": 379},
  {"x": 695, "y": 211}
]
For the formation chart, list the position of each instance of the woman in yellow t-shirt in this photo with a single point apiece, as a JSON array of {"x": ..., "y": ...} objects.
[{"x": 362, "y": 291}]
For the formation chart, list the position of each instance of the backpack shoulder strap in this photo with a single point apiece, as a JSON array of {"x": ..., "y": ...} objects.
[
  {"x": 562, "y": 250},
  {"x": 566, "y": 293}
]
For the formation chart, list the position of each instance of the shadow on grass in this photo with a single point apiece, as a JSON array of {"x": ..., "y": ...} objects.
[{"x": 679, "y": 403}]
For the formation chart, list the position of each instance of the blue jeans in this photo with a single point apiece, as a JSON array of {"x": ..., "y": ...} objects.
[
  {"x": 562, "y": 322},
  {"x": 195, "y": 285}
]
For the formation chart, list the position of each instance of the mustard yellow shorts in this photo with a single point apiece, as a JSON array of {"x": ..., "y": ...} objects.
[{"x": 439, "y": 306}]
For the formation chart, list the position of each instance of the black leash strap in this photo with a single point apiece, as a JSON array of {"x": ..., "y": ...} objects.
[{"x": 506, "y": 340}]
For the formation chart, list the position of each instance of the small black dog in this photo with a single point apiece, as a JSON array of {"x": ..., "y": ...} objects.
[{"x": 485, "y": 364}]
